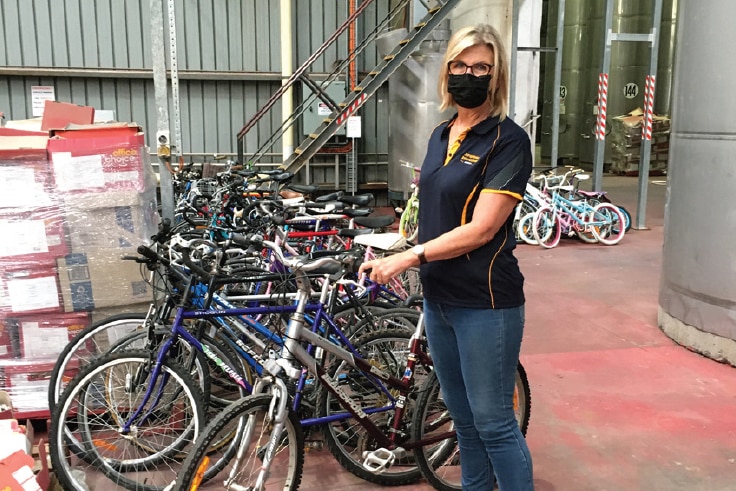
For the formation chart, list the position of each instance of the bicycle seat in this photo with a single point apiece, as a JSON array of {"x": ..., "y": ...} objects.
[
  {"x": 303, "y": 188},
  {"x": 353, "y": 232},
  {"x": 357, "y": 200},
  {"x": 375, "y": 222},
  {"x": 357, "y": 212},
  {"x": 390, "y": 241},
  {"x": 328, "y": 197}
]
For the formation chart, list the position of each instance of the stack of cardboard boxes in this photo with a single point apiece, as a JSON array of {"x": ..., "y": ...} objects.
[
  {"x": 627, "y": 140},
  {"x": 75, "y": 201}
]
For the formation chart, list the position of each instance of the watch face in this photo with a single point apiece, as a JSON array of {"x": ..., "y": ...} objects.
[{"x": 418, "y": 249}]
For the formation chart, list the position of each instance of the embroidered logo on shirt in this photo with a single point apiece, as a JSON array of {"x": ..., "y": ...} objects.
[{"x": 469, "y": 159}]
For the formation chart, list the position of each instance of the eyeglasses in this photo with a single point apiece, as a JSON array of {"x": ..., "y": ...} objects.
[{"x": 477, "y": 69}]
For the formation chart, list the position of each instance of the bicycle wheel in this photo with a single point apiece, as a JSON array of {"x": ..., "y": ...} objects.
[
  {"x": 583, "y": 230},
  {"x": 89, "y": 343},
  {"x": 524, "y": 229},
  {"x": 610, "y": 224},
  {"x": 440, "y": 462},
  {"x": 394, "y": 318},
  {"x": 95, "y": 408},
  {"x": 524, "y": 208},
  {"x": 247, "y": 418},
  {"x": 411, "y": 281},
  {"x": 627, "y": 216},
  {"x": 546, "y": 228},
  {"x": 347, "y": 440},
  {"x": 409, "y": 221}
]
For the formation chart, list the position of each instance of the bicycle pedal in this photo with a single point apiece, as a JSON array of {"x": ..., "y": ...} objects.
[{"x": 377, "y": 461}]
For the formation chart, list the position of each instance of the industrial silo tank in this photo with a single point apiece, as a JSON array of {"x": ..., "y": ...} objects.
[
  {"x": 582, "y": 61},
  {"x": 572, "y": 81},
  {"x": 414, "y": 111},
  {"x": 697, "y": 287}
]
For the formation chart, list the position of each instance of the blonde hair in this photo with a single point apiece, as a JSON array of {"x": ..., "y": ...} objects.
[{"x": 498, "y": 89}]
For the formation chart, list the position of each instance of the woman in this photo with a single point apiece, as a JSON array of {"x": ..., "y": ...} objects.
[{"x": 473, "y": 175}]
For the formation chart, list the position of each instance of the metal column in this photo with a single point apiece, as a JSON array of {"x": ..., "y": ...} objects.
[
  {"x": 162, "y": 108},
  {"x": 557, "y": 51},
  {"x": 653, "y": 39}
]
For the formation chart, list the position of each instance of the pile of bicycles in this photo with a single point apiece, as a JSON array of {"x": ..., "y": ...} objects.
[
  {"x": 554, "y": 206},
  {"x": 262, "y": 342}
]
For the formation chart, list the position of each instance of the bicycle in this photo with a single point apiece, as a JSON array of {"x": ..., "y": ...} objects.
[
  {"x": 128, "y": 422},
  {"x": 386, "y": 440},
  {"x": 602, "y": 223},
  {"x": 409, "y": 220}
]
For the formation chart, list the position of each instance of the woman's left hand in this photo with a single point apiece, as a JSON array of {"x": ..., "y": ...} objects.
[{"x": 383, "y": 269}]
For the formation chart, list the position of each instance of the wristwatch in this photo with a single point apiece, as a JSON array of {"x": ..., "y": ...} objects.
[{"x": 419, "y": 251}]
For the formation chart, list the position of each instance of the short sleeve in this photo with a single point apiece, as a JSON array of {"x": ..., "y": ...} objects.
[{"x": 510, "y": 166}]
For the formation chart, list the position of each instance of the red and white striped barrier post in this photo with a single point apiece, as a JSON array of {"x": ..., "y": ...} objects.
[
  {"x": 600, "y": 133},
  {"x": 646, "y": 127}
]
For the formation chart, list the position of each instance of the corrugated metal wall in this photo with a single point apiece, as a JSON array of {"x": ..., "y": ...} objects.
[{"x": 98, "y": 52}]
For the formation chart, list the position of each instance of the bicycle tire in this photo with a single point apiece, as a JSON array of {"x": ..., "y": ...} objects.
[
  {"x": 614, "y": 228},
  {"x": 346, "y": 439},
  {"x": 392, "y": 318},
  {"x": 92, "y": 406},
  {"x": 524, "y": 229},
  {"x": 409, "y": 221},
  {"x": 440, "y": 463},
  {"x": 627, "y": 216},
  {"x": 545, "y": 219},
  {"x": 289, "y": 456},
  {"x": 79, "y": 348}
]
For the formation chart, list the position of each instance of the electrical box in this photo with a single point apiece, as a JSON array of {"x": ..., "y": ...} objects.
[{"x": 318, "y": 110}]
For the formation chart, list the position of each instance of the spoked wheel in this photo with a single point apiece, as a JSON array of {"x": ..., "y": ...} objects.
[
  {"x": 250, "y": 421},
  {"x": 583, "y": 231},
  {"x": 546, "y": 228},
  {"x": 524, "y": 229},
  {"x": 90, "y": 431},
  {"x": 387, "y": 350},
  {"x": 440, "y": 462},
  {"x": 610, "y": 224}
]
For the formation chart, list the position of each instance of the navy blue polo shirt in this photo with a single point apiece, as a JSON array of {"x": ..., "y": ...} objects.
[{"x": 491, "y": 157}]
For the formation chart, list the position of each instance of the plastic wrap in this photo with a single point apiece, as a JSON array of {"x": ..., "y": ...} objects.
[
  {"x": 626, "y": 143},
  {"x": 72, "y": 206}
]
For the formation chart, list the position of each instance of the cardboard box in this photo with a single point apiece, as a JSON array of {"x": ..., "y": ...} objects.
[
  {"x": 25, "y": 173},
  {"x": 95, "y": 159},
  {"x": 45, "y": 337},
  {"x": 36, "y": 235},
  {"x": 27, "y": 288},
  {"x": 27, "y": 383},
  {"x": 99, "y": 278},
  {"x": 116, "y": 220},
  {"x": 61, "y": 114}
]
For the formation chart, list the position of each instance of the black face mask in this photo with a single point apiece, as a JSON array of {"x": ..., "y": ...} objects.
[{"x": 468, "y": 90}]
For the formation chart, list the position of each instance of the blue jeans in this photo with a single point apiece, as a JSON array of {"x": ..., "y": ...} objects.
[{"x": 475, "y": 353}]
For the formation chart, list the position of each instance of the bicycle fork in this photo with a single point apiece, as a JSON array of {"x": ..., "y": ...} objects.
[{"x": 275, "y": 417}]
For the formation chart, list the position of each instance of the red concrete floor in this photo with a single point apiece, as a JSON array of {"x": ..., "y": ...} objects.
[{"x": 616, "y": 405}]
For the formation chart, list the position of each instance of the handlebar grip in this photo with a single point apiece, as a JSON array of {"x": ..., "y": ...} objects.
[
  {"x": 243, "y": 241},
  {"x": 151, "y": 255}
]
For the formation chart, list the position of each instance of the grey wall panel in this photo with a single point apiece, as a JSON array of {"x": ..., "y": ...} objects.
[{"x": 216, "y": 35}]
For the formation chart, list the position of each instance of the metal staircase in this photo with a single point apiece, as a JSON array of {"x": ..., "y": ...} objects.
[{"x": 436, "y": 13}]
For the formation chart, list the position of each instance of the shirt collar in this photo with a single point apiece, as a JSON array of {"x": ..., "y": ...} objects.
[{"x": 482, "y": 128}]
